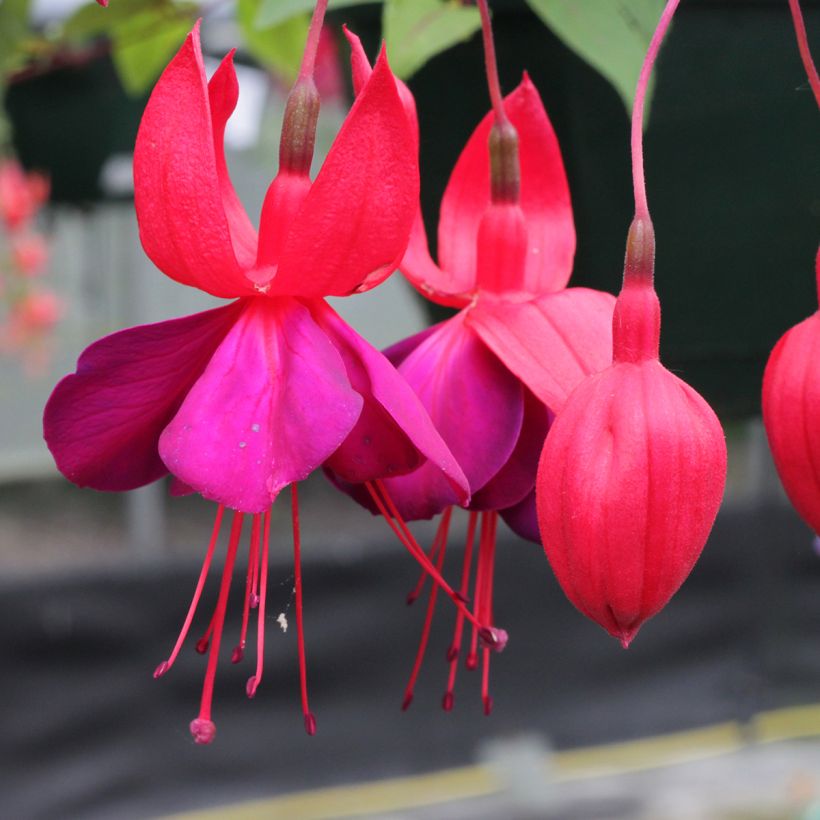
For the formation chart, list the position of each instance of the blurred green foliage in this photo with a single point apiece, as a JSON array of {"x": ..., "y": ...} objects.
[{"x": 143, "y": 34}]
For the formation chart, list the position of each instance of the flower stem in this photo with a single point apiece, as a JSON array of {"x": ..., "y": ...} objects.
[
  {"x": 312, "y": 44},
  {"x": 803, "y": 45},
  {"x": 490, "y": 62},
  {"x": 639, "y": 183}
]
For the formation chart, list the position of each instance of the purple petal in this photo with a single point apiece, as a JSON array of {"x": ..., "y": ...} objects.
[
  {"x": 394, "y": 434},
  {"x": 475, "y": 403},
  {"x": 522, "y": 519},
  {"x": 516, "y": 478},
  {"x": 102, "y": 423},
  {"x": 272, "y": 405}
]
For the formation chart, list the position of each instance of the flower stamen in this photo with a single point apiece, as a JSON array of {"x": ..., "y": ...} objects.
[
  {"x": 310, "y": 720},
  {"x": 439, "y": 548},
  {"x": 455, "y": 647},
  {"x": 202, "y": 727},
  {"x": 253, "y": 682},
  {"x": 203, "y": 574},
  {"x": 253, "y": 559}
]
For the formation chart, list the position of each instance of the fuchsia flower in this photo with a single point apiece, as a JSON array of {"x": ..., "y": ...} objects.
[
  {"x": 21, "y": 194},
  {"x": 241, "y": 401},
  {"x": 492, "y": 376},
  {"x": 29, "y": 253},
  {"x": 633, "y": 469},
  {"x": 791, "y": 383},
  {"x": 791, "y": 413}
]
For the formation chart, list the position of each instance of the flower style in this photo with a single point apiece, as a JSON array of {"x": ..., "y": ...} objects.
[
  {"x": 791, "y": 397},
  {"x": 243, "y": 400},
  {"x": 492, "y": 376},
  {"x": 633, "y": 469}
]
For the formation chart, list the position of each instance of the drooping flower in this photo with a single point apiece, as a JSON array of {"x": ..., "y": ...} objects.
[
  {"x": 791, "y": 413},
  {"x": 791, "y": 382},
  {"x": 633, "y": 469},
  {"x": 241, "y": 401},
  {"x": 492, "y": 376}
]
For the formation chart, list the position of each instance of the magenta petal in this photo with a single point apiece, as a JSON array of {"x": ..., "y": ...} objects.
[
  {"x": 394, "y": 434},
  {"x": 399, "y": 351},
  {"x": 273, "y": 403},
  {"x": 544, "y": 198},
  {"x": 103, "y": 422},
  {"x": 352, "y": 228},
  {"x": 551, "y": 342},
  {"x": 516, "y": 478},
  {"x": 178, "y": 185},
  {"x": 522, "y": 518},
  {"x": 475, "y": 403}
]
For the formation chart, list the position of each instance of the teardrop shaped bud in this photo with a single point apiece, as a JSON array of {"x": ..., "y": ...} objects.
[
  {"x": 628, "y": 487},
  {"x": 791, "y": 414}
]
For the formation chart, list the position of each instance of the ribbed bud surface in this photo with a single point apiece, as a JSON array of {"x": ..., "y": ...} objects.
[{"x": 629, "y": 484}]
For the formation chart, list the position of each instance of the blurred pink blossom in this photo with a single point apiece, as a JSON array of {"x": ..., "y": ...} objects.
[
  {"x": 21, "y": 193},
  {"x": 29, "y": 253}
]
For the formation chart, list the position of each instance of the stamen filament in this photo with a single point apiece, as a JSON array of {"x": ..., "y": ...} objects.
[
  {"x": 440, "y": 548},
  {"x": 455, "y": 647},
  {"x": 488, "y": 548},
  {"x": 253, "y": 682},
  {"x": 200, "y": 584},
  {"x": 310, "y": 720},
  {"x": 495, "y": 638},
  {"x": 239, "y": 649},
  {"x": 202, "y": 727},
  {"x": 413, "y": 595}
]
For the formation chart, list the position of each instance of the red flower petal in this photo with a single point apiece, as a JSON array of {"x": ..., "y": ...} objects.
[
  {"x": 180, "y": 180},
  {"x": 417, "y": 265},
  {"x": 223, "y": 93},
  {"x": 544, "y": 199},
  {"x": 353, "y": 226},
  {"x": 552, "y": 342},
  {"x": 102, "y": 423},
  {"x": 273, "y": 403}
]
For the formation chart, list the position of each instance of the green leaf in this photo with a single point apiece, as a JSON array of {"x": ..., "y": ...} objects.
[
  {"x": 279, "y": 47},
  {"x": 416, "y": 30},
  {"x": 611, "y": 35},
  {"x": 273, "y": 12},
  {"x": 142, "y": 47},
  {"x": 14, "y": 32}
]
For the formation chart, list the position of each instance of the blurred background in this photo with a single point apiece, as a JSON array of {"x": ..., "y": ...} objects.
[{"x": 714, "y": 712}]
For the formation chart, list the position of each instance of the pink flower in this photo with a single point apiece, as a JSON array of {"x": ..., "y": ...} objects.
[
  {"x": 36, "y": 313},
  {"x": 29, "y": 253},
  {"x": 241, "y": 401},
  {"x": 632, "y": 472},
  {"x": 21, "y": 194},
  {"x": 493, "y": 375},
  {"x": 791, "y": 413}
]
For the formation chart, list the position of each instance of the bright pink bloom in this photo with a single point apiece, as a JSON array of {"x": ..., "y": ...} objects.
[
  {"x": 632, "y": 472},
  {"x": 243, "y": 400},
  {"x": 492, "y": 376},
  {"x": 21, "y": 194},
  {"x": 791, "y": 413},
  {"x": 29, "y": 253},
  {"x": 36, "y": 313},
  {"x": 630, "y": 479}
]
